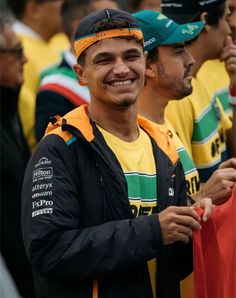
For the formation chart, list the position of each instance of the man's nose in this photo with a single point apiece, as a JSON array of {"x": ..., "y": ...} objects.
[
  {"x": 189, "y": 61},
  {"x": 120, "y": 67}
]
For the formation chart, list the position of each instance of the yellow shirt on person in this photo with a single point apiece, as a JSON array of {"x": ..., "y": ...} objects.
[
  {"x": 40, "y": 54},
  {"x": 201, "y": 123}
]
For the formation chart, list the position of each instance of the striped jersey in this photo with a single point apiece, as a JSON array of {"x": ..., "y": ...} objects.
[
  {"x": 190, "y": 171},
  {"x": 201, "y": 123},
  {"x": 214, "y": 76}
]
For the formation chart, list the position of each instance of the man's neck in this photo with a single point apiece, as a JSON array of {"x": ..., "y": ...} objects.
[
  {"x": 122, "y": 122},
  {"x": 152, "y": 104},
  {"x": 199, "y": 53},
  {"x": 39, "y": 30}
]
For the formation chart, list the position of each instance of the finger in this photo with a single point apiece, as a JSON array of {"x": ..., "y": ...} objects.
[
  {"x": 185, "y": 230},
  {"x": 182, "y": 237},
  {"x": 207, "y": 212},
  {"x": 189, "y": 221},
  {"x": 230, "y": 163},
  {"x": 228, "y": 41},
  {"x": 188, "y": 212}
]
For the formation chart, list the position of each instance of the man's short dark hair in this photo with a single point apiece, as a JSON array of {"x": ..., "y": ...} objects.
[
  {"x": 73, "y": 10},
  {"x": 213, "y": 15}
]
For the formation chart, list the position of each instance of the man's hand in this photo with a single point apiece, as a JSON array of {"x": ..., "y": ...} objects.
[
  {"x": 206, "y": 205},
  {"x": 177, "y": 224},
  {"x": 228, "y": 55},
  {"x": 230, "y": 163},
  {"x": 219, "y": 186}
]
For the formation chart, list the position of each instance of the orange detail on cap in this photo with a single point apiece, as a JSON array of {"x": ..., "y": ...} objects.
[{"x": 82, "y": 44}]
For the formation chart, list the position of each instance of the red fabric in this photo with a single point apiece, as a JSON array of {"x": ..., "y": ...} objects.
[{"x": 214, "y": 249}]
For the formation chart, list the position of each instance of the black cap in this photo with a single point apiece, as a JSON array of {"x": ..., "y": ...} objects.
[
  {"x": 183, "y": 11},
  {"x": 87, "y": 34},
  {"x": 88, "y": 24}
]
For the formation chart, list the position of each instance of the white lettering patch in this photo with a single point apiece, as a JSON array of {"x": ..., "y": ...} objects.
[
  {"x": 42, "y": 173},
  {"x": 42, "y": 162},
  {"x": 150, "y": 41},
  {"x": 36, "y": 204},
  {"x": 171, "y": 191},
  {"x": 42, "y": 194},
  {"x": 42, "y": 211},
  {"x": 41, "y": 186}
]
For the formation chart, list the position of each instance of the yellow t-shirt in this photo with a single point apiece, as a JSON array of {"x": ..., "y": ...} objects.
[
  {"x": 40, "y": 54},
  {"x": 137, "y": 162},
  {"x": 201, "y": 123},
  {"x": 213, "y": 75},
  {"x": 190, "y": 171}
]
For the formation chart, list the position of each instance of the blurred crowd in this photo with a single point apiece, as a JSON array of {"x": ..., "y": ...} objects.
[{"x": 38, "y": 82}]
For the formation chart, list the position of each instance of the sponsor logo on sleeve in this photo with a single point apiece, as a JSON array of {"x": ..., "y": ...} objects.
[
  {"x": 42, "y": 206},
  {"x": 42, "y": 173},
  {"x": 42, "y": 194},
  {"x": 41, "y": 203},
  {"x": 42, "y": 211},
  {"x": 43, "y": 162},
  {"x": 43, "y": 186}
]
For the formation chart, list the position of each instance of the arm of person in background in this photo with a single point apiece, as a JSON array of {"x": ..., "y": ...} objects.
[
  {"x": 229, "y": 57},
  {"x": 219, "y": 186},
  {"x": 49, "y": 103}
]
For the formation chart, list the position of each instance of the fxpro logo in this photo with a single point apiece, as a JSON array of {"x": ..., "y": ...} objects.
[
  {"x": 43, "y": 162},
  {"x": 43, "y": 173},
  {"x": 41, "y": 203}
]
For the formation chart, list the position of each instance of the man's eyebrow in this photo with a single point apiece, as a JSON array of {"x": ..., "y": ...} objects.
[
  {"x": 102, "y": 55},
  {"x": 133, "y": 51},
  {"x": 179, "y": 45}
]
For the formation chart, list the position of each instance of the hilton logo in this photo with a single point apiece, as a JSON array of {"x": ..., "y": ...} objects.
[{"x": 43, "y": 173}]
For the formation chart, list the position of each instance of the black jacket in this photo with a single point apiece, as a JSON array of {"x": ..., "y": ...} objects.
[
  {"x": 77, "y": 221},
  {"x": 14, "y": 155}
]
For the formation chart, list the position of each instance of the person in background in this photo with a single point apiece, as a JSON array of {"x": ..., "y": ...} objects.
[
  {"x": 59, "y": 91},
  {"x": 138, "y": 5},
  {"x": 218, "y": 85},
  {"x": 14, "y": 155},
  {"x": 37, "y": 22},
  {"x": 97, "y": 216},
  {"x": 168, "y": 75},
  {"x": 199, "y": 120}
]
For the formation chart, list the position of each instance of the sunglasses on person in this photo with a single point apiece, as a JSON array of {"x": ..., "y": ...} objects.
[{"x": 18, "y": 51}]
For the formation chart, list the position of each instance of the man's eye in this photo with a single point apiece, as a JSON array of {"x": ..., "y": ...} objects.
[
  {"x": 133, "y": 57},
  {"x": 179, "y": 51},
  {"x": 103, "y": 61}
]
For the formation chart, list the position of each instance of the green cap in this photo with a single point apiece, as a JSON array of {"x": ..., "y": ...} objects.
[{"x": 160, "y": 30}]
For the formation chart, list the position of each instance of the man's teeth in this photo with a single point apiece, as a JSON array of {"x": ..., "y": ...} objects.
[{"x": 121, "y": 83}]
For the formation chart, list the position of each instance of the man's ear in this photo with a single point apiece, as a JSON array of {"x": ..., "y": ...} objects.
[
  {"x": 80, "y": 74},
  {"x": 150, "y": 69},
  {"x": 203, "y": 17}
]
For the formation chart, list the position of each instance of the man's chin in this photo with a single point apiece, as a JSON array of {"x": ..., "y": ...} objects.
[
  {"x": 185, "y": 92},
  {"x": 127, "y": 102}
]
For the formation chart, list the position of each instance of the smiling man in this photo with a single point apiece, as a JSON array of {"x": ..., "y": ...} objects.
[{"x": 100, "y": 227}]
